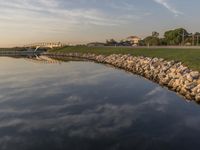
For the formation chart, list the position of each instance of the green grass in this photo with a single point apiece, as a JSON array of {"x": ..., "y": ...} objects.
[{"x": 190, "y": 57}]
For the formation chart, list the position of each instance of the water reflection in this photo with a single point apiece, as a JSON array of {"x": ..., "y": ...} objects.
[{"x": 83, "y": 105}]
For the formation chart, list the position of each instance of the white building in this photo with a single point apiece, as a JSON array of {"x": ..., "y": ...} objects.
[{"x": 134, "y": 40}]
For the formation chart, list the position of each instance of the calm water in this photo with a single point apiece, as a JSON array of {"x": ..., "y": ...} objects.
[{"x": 88, "y": 106}]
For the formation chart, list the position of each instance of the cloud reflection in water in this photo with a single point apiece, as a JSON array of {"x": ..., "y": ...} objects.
[{"x": 54, "y": 106}]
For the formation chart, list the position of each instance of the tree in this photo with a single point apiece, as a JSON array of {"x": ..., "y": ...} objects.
[
  {"x": 197, "y": 36},
  {"x": 152, "y": 41},
  {"x": 163, "y": 41},
  {"x": 125, "y": 43},
  {"x": 111, "y": 42},
  {"x": 142, "y": 43},
  {"x": 176, "y": 37},
  {"x": 155, "y": 34}
]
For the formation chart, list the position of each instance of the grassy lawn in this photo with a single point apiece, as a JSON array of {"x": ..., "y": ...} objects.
[{"x": 190, "y": 57}]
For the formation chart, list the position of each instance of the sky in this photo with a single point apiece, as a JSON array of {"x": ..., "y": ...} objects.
[{"x": 82, "y": 21}]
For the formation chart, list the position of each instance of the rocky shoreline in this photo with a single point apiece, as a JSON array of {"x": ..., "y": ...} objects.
[{"x": 171, "y": 74}]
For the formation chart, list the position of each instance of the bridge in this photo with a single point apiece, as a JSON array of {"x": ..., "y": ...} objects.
[
  {"x": 36, "y": 46},
  {"x": 30, "y": 49}
]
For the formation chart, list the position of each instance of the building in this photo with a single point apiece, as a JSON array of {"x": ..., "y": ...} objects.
[
  {"x": 45, "y": 45},
  {"x": 134, "y": 40}
]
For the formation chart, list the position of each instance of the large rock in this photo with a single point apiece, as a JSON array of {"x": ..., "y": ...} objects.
[
  {"x": 194, "y": 74},
  {"x": 189, "y": 96},
  {"x": 189, "y": 77},
  {"x": 197, "y": 97},
  {"x": 190, "y": 86},
  {"x": 183, "y": 91}
]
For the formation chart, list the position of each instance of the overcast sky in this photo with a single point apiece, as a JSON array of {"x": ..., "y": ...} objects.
[{"x": 82, "y": 21}]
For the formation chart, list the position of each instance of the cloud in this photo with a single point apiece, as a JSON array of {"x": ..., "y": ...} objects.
[
  {"x": 65, "y": 14},
  {"x": 64, "y": 20},
  {"x": 169, "y": 7},
  {"x": 43, "y": 10},
  {"x": 154, "y": 91}
]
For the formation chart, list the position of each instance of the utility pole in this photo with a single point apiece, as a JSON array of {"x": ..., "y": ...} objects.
[
  {"x": 192, "y": 39},
  {"x": 148, "y": 45},
  {"x": 197, "y": 40},
  {"x": 183, "y": 38}
]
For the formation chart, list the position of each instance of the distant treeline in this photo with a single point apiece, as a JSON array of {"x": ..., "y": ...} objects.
[{"x": 176, "y": 37}]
